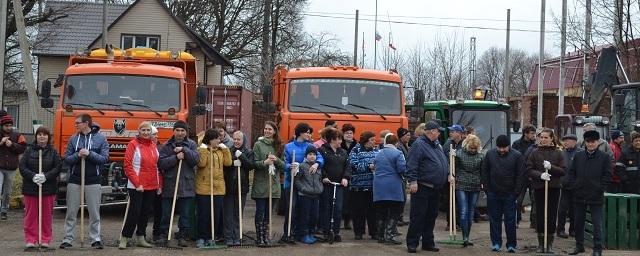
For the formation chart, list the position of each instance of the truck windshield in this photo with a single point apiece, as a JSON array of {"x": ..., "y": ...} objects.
[
  {"x": 488, "y": 124},
  {"x": 335, "y": 95},
  {"x": 140, "y": 93}
]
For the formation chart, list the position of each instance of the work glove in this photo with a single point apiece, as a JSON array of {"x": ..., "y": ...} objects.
[
  {"x": 546, "y": 164},
  {"x": 452, "y": 152},
  {"x": 272, "y": 170},
  {"x": 545, "y": 176},
  {"x": 237, "y": 163},
  {"x": 203, "y": 145},
  {"x": 238, "y": 153},
  {"x": 222, "y": 146},
  {"x": 39, "y": 179}
]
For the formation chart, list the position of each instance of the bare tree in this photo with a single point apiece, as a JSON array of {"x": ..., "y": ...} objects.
[{"x": 491, "y": 71}]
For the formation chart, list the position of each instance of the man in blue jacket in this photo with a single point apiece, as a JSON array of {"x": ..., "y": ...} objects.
[
  {"x": 88, "y": 144},
  {"x": 427, "y": 172}
]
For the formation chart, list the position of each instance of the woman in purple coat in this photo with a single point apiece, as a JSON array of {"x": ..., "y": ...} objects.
[{"x": 388, "y": 192}]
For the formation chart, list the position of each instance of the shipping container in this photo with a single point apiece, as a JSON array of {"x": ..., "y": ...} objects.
[{"x": 231, "y": 104}]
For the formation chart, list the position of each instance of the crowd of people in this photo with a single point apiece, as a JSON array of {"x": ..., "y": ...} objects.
[{"x": 336, "y": 179}]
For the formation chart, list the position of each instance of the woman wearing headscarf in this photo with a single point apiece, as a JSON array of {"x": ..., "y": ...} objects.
[{"x": 361, "y": 187}]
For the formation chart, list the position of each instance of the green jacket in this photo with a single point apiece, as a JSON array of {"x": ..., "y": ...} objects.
[{"x": 260, "y": 188}]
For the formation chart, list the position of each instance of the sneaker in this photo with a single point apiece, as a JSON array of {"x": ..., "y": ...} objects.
[
  {"x": 97, "y": 245},
  {"x": 45, "y": 245},
  {"x": 65, "y": 245},
  {"x": 495, "y": 248},
  {"x": 511, "y": 250},
  {"x": 29, "y": 246},
  {"x": 237, "y": 242},
  {"x": 307, "y": 240},
  {"x": 199, "y": 243},
  {"x": 313, "y": 238},
  {"x": 3, "y": 216},
  {"x": 229, "y": 242}
]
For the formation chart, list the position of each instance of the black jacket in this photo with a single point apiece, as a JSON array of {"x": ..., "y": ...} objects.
[
  {"x": 522, "y": 145},
  {"x": 336, "y": 163},
  {"x": 569, "y": 154},
  {"x": 51, "y": 164},
  {"x": 502, "y": 174},
  {"x": 535, "y": 166},
  {"x": 590, "y": 173},
  {"x": 9, "y": 155},
  {"x": 350, "y": 147},
  {"x": 168, "y": 163},
  {"x": 231, "y": 172},
  {"x": 627, "y": 169}
]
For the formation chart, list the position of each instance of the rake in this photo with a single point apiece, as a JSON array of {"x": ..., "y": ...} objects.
[{"x": 212, "y": 245}]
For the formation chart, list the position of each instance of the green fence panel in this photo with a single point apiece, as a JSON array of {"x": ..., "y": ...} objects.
[
  {"x": 633, "y": 222},
  {"x": 611, "y": 221}
]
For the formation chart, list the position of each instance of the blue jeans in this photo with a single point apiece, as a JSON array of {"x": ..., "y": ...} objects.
[
  {"x": 182, "y": 209},
  {"x": 203, "y": 215},
  {"x": 502, "y": 206},
  {"x": 308, "y": 209},
  {"x": 424, "y": 211},
  {"x": 328, "y": 206},
  {"x": 466, "y": 201}
]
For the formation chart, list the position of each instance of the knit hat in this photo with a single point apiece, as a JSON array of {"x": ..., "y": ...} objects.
[
  {"x": 180, "y": 124},
  {"x": 591, "y": 136},
  {"x": 311, "y": 150},
  {"x": 402, "y": 132},
  {"x": 570, "y": 137},
  {"x": 502, "y": 141},
  {"x": 6, "y": 120},
  {"x": 616, "y": 134}
]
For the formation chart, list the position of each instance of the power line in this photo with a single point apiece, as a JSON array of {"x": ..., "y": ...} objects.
[
  {"x": 432, "y": 24},
  {"x": 429, "y": 17}
]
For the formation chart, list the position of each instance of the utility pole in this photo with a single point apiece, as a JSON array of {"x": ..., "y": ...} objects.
[
  {"x": 563, "y": 49},
  {"x": 472, "y": 65},
  {"x": 26, "y": 62},
  {"x": 3, "y": 31},
  {"x": 586, "y": 49},
  {"x": 540, "y": 68},
  {"x": 507, "y": 82},
  {"x": 362, "y": 50},
  {"x": 375, "y": 42},
  {"x": 105, "y": 36},
  {"x": 355, "y": 42}
]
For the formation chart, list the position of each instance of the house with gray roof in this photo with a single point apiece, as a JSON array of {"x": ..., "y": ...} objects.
[{"x": 144, "y": 23}]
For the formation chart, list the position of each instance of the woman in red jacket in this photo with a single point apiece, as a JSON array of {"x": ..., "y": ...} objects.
[{"x": 140, "y": 166}]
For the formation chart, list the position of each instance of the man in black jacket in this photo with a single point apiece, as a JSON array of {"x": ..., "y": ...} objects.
[
  {"x": 502, "y": 169},
  {"x": 12, "y": 144},
  {"x": 523, "y": 144},
  {"x": 590, "y": 173},
  {"x": 565, "y": 210},
  {"x": 627, "y": 166}
]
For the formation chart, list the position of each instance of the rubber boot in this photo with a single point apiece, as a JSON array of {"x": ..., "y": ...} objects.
[
  {"x": 392, "y": 224},
  {"x": 123, "y": 243},
  {"x": 381, "y": 231},
  {"x": 540, "y": 243},
  {"x": 266, "y": 234},
  {"x": 142, "y": 242},
  {"x": 259, "y": 241},
  {"x": 550, "y": 243}
]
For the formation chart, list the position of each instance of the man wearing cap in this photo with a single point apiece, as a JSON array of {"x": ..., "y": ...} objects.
[
  {"x": 12, "y": 144},
  {"x": 627, "y": 166},
  {"x": 590, "y": 173},
  {"x": 603, "y": 145},
  {"x": 501, "y": 177},
  {"x": 456, "y": 134},
  {"x": 617, "y": 139},
  {"x": 427, "y": 173},
  {"x": 178, "y": 149},
  {"x": 565, "y": 210}
]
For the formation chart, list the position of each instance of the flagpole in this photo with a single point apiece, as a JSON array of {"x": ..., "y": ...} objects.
[
  {"x": 363, "y": 50},
  {"x": 375, "y": 43}
]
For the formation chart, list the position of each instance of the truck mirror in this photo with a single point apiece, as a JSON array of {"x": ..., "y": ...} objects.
[
  {"x": 266, "y": 93},
  {"x": 201, "y": 95},
  {"x": 515, "y": 125},
  {"x": 46, "y": 103},
  {"x": 45, "y": 89},
  {"x": 198, "y": 110},
  {"x": 59, "y": 80}
]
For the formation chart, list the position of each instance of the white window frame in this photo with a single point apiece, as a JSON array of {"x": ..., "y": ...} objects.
[
  {"x": 15, "y": 114},
  {"x": 133, "y": 40}
]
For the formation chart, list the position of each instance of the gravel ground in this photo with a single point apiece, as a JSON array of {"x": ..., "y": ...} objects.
[{"x": 11, "y": 240}]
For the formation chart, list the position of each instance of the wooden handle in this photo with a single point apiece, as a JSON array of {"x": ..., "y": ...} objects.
[
  {"x": 240, "y": 204},
  {"x": 175, "y": 196},
  {"x": 213, "y": 225},
  {"x": 40, "y": 199},
  {"x": 82, "y": 176}
]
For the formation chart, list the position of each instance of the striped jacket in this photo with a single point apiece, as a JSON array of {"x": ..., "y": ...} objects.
[{"x": 361, "y": 176}]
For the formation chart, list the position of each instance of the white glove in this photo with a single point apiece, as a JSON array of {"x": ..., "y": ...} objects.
[
  {"x": 203, "y": 145},
  {"x": 295, "y": 166},
  {"x": 238, "y": 153},
  {"x": 237, "y": 163},
  {"x": 452, "y": 152},
  {"x": 222, "y": 146},
  {"x": 39, "y": 179},
  {"x": 546, "y": 164},
  {"x": 545, "y": 176},
  {"x": 272, "y": 170}
]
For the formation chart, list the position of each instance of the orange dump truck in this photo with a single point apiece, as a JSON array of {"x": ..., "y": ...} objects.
[
  {"x": 371, "y": 100},
  {"x": 120, "y": 89}
]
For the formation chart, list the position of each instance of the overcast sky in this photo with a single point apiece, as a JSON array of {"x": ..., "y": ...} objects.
[{"x": 463, "y": 18}]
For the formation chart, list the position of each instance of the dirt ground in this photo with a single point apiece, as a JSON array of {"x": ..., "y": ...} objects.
[{"x": 11, "y": 240}]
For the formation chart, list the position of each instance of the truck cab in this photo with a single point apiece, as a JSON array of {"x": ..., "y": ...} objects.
[
  {"x": 121, "y": 89},
  {"x": 371, "y": 100}
]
